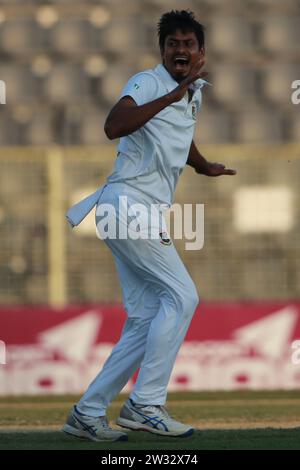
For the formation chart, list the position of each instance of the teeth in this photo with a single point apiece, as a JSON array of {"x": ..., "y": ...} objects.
[{"x": 181, "y": 60}]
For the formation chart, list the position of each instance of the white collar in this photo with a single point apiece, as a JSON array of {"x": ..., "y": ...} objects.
[
  {"x": 198, "y": 84},
  {"x": 166, "y": 77}
]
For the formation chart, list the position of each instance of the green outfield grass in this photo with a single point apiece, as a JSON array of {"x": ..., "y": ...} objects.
[{"x": 224, "y": 420}]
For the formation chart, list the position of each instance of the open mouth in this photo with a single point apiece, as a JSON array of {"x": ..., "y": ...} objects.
[{"x": 181, "y": 62}]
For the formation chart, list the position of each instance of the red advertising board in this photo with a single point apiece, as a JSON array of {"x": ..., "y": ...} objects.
[{"x": 228, "y": 346}]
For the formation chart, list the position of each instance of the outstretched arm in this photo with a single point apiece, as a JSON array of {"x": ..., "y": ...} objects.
[{"x": 202, "y": 166}]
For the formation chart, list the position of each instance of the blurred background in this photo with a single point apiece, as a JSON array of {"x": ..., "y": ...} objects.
[{"x": 64, "y": 63}]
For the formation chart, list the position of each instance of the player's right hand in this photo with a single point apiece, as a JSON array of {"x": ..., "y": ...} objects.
[{"x": 195, "y": 73}]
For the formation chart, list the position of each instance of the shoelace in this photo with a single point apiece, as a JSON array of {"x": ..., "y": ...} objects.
[
  {"x": 164, "y": 411},
  {"x": 103, "y": 420},
  {"x": 154, "y": 408}
]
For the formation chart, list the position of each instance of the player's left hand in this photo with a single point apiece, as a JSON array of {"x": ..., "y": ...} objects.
[{"x": 216, "y": 169}]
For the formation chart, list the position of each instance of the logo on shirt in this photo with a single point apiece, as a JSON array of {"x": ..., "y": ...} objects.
[
  {"x": 194, "y": 111},
  {"x": 164, "y": 238},
  {"x": 136, "y": 86}
]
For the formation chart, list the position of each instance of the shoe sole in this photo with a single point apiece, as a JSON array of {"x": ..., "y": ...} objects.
[
  {"x": 135, "y": 426},
  {"x": 81, "y": 434}
]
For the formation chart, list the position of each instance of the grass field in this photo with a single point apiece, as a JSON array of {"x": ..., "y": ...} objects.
[{"x": 224, "y": 420}]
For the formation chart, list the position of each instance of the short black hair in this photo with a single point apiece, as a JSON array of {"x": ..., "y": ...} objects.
[{"x": 183, "y": 20}]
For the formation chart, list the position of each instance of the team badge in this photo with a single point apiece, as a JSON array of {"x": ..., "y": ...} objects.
[
  {"x": 194, "y": 111},
  {"x": 164, "y": 238}
]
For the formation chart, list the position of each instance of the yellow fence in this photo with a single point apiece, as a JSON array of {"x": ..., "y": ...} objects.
[{"x": 252, "y": 227}]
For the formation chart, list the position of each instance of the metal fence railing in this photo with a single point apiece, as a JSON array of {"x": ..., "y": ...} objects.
[{"x": 252, "y": 227}]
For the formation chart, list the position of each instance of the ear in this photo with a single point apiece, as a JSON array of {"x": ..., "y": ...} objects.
[{"x": 202, "y": 51}]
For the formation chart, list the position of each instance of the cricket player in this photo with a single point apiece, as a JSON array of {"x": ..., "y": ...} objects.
[{"x": 155, "y": 121}]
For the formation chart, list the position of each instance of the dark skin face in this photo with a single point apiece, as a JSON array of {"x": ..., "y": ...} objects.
[{"x": 181, "y": 45}]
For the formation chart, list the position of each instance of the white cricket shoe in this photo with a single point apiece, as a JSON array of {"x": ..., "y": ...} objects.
[
  {"x": 151, "y": 418},
  {"x": 88, "y": 427}
]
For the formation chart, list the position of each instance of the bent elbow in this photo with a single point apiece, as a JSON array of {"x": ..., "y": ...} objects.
[{"x": 109, "y": 132}]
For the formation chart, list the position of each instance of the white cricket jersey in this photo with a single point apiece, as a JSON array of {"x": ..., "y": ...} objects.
[{"x": 152, "y": 158}]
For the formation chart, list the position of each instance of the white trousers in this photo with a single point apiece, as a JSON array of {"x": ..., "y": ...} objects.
[{"x": 160, "y": 299}]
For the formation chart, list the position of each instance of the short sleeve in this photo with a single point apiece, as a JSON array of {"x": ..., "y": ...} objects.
[{"x": 142, "y": 87}]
